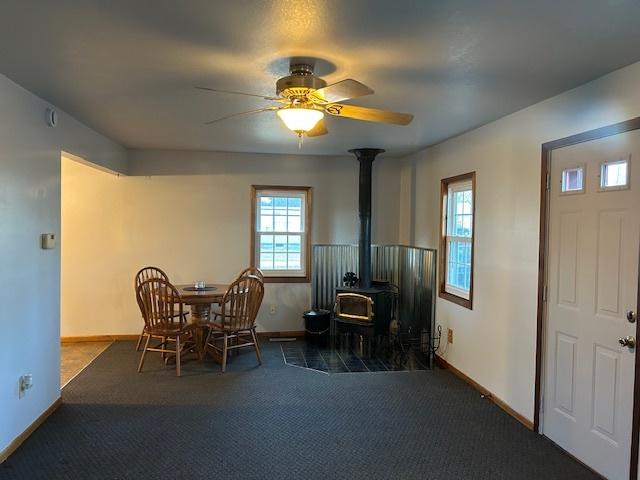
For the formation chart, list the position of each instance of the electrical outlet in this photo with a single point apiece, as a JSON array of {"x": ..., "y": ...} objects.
[
  {"x": 25, "y": 382},
  {"x": 449, "y": 335},
  {"x": 273, "y": 308}
]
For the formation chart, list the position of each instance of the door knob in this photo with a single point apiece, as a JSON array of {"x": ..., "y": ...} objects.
[
  {"x": 627, "y": 341},
  {"x": 631, "y": 316}
]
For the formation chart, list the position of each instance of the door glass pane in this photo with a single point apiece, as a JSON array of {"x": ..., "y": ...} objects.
[
  {"x": 573, "y": 179},
  {"x": 614, "y": 174}
]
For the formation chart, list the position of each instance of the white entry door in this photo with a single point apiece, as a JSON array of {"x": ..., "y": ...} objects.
[{"x": 592, "y": 285}]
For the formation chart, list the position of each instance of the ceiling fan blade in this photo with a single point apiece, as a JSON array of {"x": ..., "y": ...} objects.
[
  {"x": 340, "y": 91},
  {"x": 259, "y": 110},
  {"x": 368, "y": 114},
  {"x": 217, "y": 90},
  {"x": 319, "y": 129}
]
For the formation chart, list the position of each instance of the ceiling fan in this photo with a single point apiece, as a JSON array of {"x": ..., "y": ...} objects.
[{"x": 304, "y": 99}]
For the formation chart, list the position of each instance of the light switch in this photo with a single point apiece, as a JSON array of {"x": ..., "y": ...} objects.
[{"x": 48, "y": 241}]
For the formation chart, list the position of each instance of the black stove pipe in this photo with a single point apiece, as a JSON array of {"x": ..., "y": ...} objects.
[{"x": 365, "y": 156}]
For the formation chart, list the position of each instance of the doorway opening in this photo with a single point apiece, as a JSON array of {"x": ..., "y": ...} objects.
[{"x": 81, "y": 208}]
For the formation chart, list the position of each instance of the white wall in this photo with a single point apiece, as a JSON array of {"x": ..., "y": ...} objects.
[
  {"x": 495, "y": 342},
  {"x": 189, "y": 213},
  {"x": 29, "y": 276}
]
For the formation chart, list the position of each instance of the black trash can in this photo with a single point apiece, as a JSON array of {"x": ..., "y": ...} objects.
[{"x": 316, "y": 326}]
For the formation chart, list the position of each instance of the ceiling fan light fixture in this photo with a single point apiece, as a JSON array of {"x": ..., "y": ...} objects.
[{"x": 299, "y": 119}]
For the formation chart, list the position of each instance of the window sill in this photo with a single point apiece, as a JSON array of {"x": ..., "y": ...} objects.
[
  {"x": 463, "y": 302},
  {"x": 306, "y": 279}
]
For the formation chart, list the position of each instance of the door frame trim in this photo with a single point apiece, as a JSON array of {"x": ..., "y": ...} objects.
[{"x": 547, "y": 150}]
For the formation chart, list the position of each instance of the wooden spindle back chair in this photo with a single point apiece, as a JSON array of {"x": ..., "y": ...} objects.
[
  {"x": 241, "y": 303},
  {"x": 147, "y": 273},
  {"x": 255, "y": 271},
  {"x": 236, "y": 324},
  {"x": 162, "y": 310}
]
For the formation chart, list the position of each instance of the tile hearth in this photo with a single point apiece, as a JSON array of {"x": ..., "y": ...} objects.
[{"x": 329, "y": 360}]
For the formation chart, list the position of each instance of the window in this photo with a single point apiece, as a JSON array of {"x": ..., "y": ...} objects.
[
  {"x": 281, "y": 222},
  {"x": 456, "y": 239},
  {"x": 573, "y": 180},
  {"x": 614, "y": 175}
]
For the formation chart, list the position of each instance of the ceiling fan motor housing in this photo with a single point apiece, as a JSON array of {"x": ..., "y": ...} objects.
[{"x": 300, "y": 83}]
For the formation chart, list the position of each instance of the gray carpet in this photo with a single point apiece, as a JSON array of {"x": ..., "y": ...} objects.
[{"x": 278, "y": 421}]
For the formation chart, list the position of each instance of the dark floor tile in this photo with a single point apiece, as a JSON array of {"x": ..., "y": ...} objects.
[
  {"x": 395, "y": 367},
  {"x": 350, "y": 360},
  {"x": 357, "y": 367},
  {"x": 374, "y": 365},
  {"x": 334, "y": 363}
]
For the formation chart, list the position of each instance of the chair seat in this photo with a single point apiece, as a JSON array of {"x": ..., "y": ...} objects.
[
  {"x": 170, "y": 331},
  {"x": 222, "y": 328}
]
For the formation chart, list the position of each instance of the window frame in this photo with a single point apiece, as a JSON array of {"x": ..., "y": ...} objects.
[
  {"x": 443, "y": 291},
  {"x": 279, "y": 276}
]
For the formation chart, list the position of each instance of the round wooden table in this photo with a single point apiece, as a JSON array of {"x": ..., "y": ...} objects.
[{"x": 200, "y": 302}]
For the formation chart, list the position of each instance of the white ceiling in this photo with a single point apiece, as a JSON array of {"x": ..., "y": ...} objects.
[{"x": 127, "y": 68}]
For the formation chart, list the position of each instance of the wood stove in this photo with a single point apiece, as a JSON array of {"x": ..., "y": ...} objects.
[{"x": 365, "y": 309}]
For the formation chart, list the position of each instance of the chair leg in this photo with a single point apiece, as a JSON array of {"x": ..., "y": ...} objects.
[
  {"x": 178, "y": 355},
  {"x": 224, "y": 354},
  {"x": 140, "y": 340},
  {"x": 255, "y": 344},
  {"x": 144, "y": 353}
]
